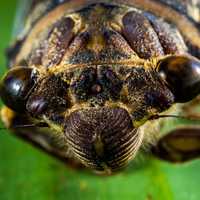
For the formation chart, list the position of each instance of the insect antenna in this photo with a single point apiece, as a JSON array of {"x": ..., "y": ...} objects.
[
  {"x": 192, "y": 118},
  {"x": 38, "y": 125}
]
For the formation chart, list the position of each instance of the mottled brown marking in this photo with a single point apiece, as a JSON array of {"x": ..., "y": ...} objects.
[
  {"x": 38, "y": 48},
  {"x": 169, "y": 37},
  {"x": 186, "y": 27},
  {"x": 51, "y": 91},
  {"x": 49, "y": 19},
  {"x": 79, "y": 42},
  {"x": 141, "y": 36},
  {"x": 58, "y": 42},
  {"x": 117, "y": 43}
]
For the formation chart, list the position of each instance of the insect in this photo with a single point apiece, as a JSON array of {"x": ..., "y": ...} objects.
[{"x": 91, "y": 82}]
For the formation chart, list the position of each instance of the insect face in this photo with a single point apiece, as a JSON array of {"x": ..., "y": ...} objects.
[
  {"x": 95, "y": 73},
  {"x": 98, "y": 109}
]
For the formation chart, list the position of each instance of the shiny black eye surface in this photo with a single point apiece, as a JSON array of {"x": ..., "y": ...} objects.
[
  {"x": 16, "y": 86},
  {"x": 182, "y": 75}
]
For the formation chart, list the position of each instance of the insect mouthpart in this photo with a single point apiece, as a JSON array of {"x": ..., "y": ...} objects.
[{"x": 103, "y": 139}]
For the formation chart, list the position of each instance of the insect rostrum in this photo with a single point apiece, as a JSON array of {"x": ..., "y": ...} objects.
[{"x": 96, "y": 72}]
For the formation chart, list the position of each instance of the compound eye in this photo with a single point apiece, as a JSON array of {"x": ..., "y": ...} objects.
[
  {"x": 182, "y": 75},
  {"x": 15, "y": 87}
]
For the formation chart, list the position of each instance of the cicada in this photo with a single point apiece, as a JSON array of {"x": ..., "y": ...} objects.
[{"x": 91, "y": 82}]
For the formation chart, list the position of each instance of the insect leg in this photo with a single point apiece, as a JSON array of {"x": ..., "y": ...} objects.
[
  {"x": 179, "y": 145},
  {"x": 182, "y": 143}
]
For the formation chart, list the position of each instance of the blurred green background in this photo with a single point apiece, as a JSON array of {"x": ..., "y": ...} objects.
[{"x": 28, "y": 174}]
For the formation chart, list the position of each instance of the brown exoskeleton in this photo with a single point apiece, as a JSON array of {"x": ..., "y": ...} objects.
[{"x": 89, "y": 80}]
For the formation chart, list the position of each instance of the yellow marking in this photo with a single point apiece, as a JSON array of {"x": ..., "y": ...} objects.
[
  {"x": 98, "y": 145},
  {"x": 77, "y": 107},
  {"x": 139, "y": 123},
  {"x": 133, "y": 62},
  {"x": 185, "y": 144},
  {"x": 116, "y": 26},
  {"x": 96, "y": 43},
  {"x": 53, "y": 126},
  {"x": 7, "y": 116}
]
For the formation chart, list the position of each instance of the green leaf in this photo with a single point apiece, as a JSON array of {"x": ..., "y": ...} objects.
[{"x": 27, "y": 173}]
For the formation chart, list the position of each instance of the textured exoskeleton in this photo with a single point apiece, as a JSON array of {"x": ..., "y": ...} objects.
[{"x": 91, "y": 82}]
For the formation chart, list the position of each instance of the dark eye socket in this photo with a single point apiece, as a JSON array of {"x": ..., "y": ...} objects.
[
  {"x": 182, "y": 75},
  {"x": 16, "y": 86}
]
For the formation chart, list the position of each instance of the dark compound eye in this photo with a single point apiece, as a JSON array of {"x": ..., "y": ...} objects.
[
  {"x": 16, "y": 86},
  {"x": 182, "y": 75}
]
